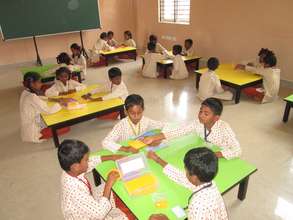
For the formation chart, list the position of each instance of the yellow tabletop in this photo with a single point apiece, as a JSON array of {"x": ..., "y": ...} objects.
[
  {"x": 91, "y": 107},
  {"x": 227, "y": 73},
  {"x": 118, "y": 50},
  {"x": 185, "y": 58}
]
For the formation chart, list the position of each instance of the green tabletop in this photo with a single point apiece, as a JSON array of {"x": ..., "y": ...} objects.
[
  {"x": 289, "y": 98},
  {"x": 45, "y": 71},
  {"x": 230, "y": 173}
]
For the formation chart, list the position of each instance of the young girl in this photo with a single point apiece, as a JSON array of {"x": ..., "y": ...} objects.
[
  {"x": 159, "y": 48},
  {"x": 31, "y": 106},
  {"x": 179, "y": 70},
  {"x": 111, "y": 41},
  {"x": 258, "y": 62},
  {"x": 128, "y": 41},
  {"x": 63, "y": 84},
  {"x": 78, "y": 58},
  {"x": 100, "y": 45}
]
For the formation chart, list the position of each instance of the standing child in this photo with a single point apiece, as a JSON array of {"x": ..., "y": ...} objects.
[
  {"x": 179, "y": 70},
  {"x": 134, "y": 125},
  {"x": 78, "y": 58},
  {"x": 208, "y": 126},
  {"x": 77, "y": 197},
  {"x": 100, "y": 45},
  {"x": 63, "y": 84},
  {"x": 111, "y": 41},
  {"x": 188, "y": 48},
  {"x": 201, "y": 167},
  {"x": 158, "y": 47},
  {"x": 210, "y": 84}
]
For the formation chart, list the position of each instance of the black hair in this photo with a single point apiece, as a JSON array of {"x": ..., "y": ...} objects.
[
  {"x": 213, "y": 63},
  {"x": 113, "y": 72},
  {"x": 151, "y": 46},
  {"x": 63, "y": 58},
  {"x": 263, "y": 51},
  {"x": 70, "y": 152},
  {"x": 133, "y": 100},
  {"x": 110, "y": 33},
  {"x": 201, "y": 162},
  {"x": 153, "y": 38},
  {"x": 62, "y": 70},
  {"x": 75, "y": 46},
  {"x": 29, "y": 78},
  {"x": 177, "y": 49},
  {"x": 190, "y": 41},
  {"x": 103, "y": 35},
  {"x": 270, "y": 59},
  {"x": 129, "y": 34},
  {"x": 214, "y": 104}
]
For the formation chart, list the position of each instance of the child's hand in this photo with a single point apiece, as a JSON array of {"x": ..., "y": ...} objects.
[
  {"x": 70, "y": 91},
  {"x": 158, "y": 217},
  {"x": 240, "y": 67},
  {"x": 153, "y": 156},
  {"x": 148, "y": 140},
  {"x": 86, "y": 96},
  {"x": 129, "y": 150},
  {"x": 117, "y": 157},
  {"x": 113, "y": 176}
]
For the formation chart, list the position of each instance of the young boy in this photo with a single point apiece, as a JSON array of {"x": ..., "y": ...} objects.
[
  {"x": 201, "y": 166},
  {"x": 256, "y": 62},
  {"x": 110, "y": 39},
  {"x": 63, "y": 84},
  {"x": 78, "y": 201},
  {"x": 210, "y": 84},
  {"x": 100, "y": 45},
  {"x": 158, "y": 47},
  {"x": 179, "y": 70},
  {"x": 130, "y": 127},
  {"x": 116, "y": 87},
  {"x": 188, "y": 48},
  {"x": 151, "y": 58},
  {"x": 209, "y": 127}
]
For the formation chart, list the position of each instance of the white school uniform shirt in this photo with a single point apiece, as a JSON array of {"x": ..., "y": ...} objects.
[
  {"x": 113, "y": 42},
  {"x": 179, "y": 70},
  {"x": 78, "y": 203},
  {"x": 206, "y": 203},
  {"x": 129, "y": 43},
  {"x": 81, "y": 62},
  {"x": 150, "y": 66},
  {"x": 31, "y": 107},
  {"x": 98, "y": 47},
  {"x": 125, "y": 130},
  {"x": 271, "y": 81},
  {"x": 160, "y": 49},
  {"x": 115, "y": 91},
  {"x": 210, "y": 86},
  {"x": 59, "y": 87},
  {"x": 221, "y": 135},
  {"x": 190, "y": 52}
]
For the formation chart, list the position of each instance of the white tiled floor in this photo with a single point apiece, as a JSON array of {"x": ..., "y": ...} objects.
[{"x": 30, "y": 173}]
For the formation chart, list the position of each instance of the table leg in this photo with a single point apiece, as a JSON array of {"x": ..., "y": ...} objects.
[
  {"x": 97, "y": 177},
  {"x": 286, "y": 112},
  {"x": 106, "y": 60},
  {"x": 237, "y": 97},
  {"x": 55, "y": 137},
  {"x": 134, "y": 54},
  {"x": 243, "y": 188},
  {"x": 197, "y": 78},
  {"x": 197, "y": 65}
]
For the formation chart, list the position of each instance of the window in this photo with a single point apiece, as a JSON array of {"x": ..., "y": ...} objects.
[{"x": 174, "y": 11}]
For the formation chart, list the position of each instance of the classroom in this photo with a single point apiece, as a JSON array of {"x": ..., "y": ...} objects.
[{"x": 149, "y": 110}]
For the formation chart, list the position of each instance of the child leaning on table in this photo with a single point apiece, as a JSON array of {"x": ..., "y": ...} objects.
[
  {"x": 77, "y": 196},
  {"x": 201, "y": 167}
]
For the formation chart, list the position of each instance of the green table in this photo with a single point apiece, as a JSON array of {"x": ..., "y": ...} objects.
[
  {"x": 289, "y": 105},
  {"x": 231, "y": 173}
]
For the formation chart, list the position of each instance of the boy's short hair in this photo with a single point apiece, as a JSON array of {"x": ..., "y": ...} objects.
[
  {"x": 62, "y": 70},
  {"x": 153, "y": 38},
  {"x": 263, "y": 51},
  {"x": 75, "y": 46},
  {"x": 201, "y": 162},
  {"x": 213, "y": 63},
  {"x": 151, "y": 46},
  {"x": 270, "y": 59},
  {"x": 103, "y": 35},
  {"x": 214, "y": 104},
  {"x": 113, "y": 72},
  {"x": 190, "y": 41},
  {"x": 110, "y": 33},
  {"x": 70, "y": 152},
  {"x": 133, "y": 100},
  {"x": 63, "y": 58},
  {"x": 29, "y": 78},
  {"x": 177, "y": 48}
]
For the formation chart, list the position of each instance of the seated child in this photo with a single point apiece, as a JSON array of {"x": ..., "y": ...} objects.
[
  {"x": 208, "y": 126},
  {"x": 115, "y": 87},
  {"x": 64, "y": 60},
  {"x": 151, "y": 58},
  {"x": 100, "y": 45},
  {"x": 128, "y": 41},
  {"x": 31, "y": 105},
  {"x": 256, "y": 62},
  {"x": 63, "y": 84},
  {"x": 179, "y": 70},
  {"x": 201, "y": 167},
  {"x": 134, "y": 125},
  {"x": 111, "y": 41},
  {"x": 77, "y": 197},
  {"x": 210, "y": 84},
  {"x": 188, "y": 49},
  {"x": 159, "y": 48},
  {"x": 78, "y": 58}
]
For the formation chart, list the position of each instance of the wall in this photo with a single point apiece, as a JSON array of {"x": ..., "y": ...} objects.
[
  {"x": 232, "y": 31},
  {"x": 111, "y": 12}
]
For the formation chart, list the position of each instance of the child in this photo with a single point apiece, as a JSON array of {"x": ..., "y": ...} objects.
[
  {"x": 128, "y": 41},
  {"x": 208, "y": 126},
  {"x": 100, "y": 45},
  {"x": 179, "y": 70},
  {"x": 63, "y": 84},
  {"x": 78, "y": 58},
  {"x": 151, "y": 58},
  {"x": 130, "y": 127},
  {"x": 78, "y": 201},
  {"x": 116, "y": 87},
  {"x": 64, "y": 60},
  {"x": 271, "y": 80},
  {"x": 31, "y": 106},
  {"x": 159, "y": 48},
  {"x": 188, "y": 48},
  {"x": 257, "y": 62},
  {"x": 111, "y": 41},
  {"x": 210, "y": 85},
  {"x": 201, "y": 167}
]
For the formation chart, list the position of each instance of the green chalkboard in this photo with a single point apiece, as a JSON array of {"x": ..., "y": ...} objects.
[{"x": 26, "y": 18}]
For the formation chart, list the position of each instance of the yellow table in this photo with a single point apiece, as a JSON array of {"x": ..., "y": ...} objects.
[
  {"x": 237, "y": 79},
  {"x": 120, "y": 50},
  {"x": 65, "y": 118}
]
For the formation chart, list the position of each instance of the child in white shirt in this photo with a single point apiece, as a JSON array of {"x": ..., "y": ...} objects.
[
  {"x": 64, "y": 60},
  {"x": 134, "y": 125},
  {"x": 258, "y": 62},
  {"x": 78, "y": 58},
  {"x": 159, "y": 48},
  {"x": 111, "y": 41},
  {"x": 209, "y": 127},
  {"x": 128, "y": 41},
  {"x": 179, "y": 70},
  {"x": 210, "y": 84},
  {"x": 201, "y": 167},
  {"x": 77, "y": 197},
  {"x": 188, "y": 49},
  {"x": 100, "y": 45},
  {"x": 63, "y": 84}
]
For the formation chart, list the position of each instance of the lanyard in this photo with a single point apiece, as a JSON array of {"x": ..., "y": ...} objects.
[
  {"x": 133, "y": 128},
  {"x": 87, "y": 183},
  {"x": 206, "y": 134},
  {"x": 190, "y": 197}
]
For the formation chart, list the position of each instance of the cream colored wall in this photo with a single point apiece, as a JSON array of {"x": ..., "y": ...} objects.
[
  {"x": 114, "y": 14},
  {"x": 232, "y": 30}
]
